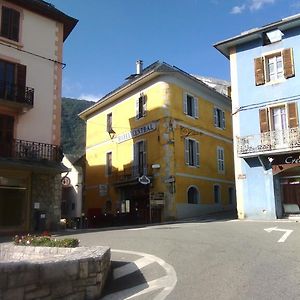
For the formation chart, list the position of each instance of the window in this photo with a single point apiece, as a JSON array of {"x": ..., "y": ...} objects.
[
  {"x": 140, "y": 158},
  {"x": 192, "y": 157},
  {"x": 278, "y": 118},
  {"x": 219, "y": 118},
  {"x": 108, "y": 163},
  {"x": 193, "y": 195},
  {"x": 230, "y": 195},
  {"x": 217, "y": 194},
  {"x": 10, "y": 23},
  {"x": 12, "y": 81},
  {"x": 141, "y": 106},
  {"x": 220, "y": 160},
  {"x": 109, "y": 123},
  {"x": 190, "y": 105},
  {"x": 274, "y": 67}
]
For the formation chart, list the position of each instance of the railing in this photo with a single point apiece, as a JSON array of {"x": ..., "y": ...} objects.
[
  {"x": 269, "y": 141},
  {"x": 130, "y": 173},
  {"x": 16, "y": 93},
  {"x": 28, "y": 150}
]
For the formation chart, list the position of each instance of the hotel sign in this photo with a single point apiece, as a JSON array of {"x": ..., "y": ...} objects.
[
  {"x": 286, "y": 159},
  {"x": 136, "y": 132}
]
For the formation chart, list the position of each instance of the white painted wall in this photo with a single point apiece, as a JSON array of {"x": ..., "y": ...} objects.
[{"x": 38, "y": 36}]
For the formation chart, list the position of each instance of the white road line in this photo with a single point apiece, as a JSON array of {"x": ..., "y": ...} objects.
[
  {"x": 131, "y": 267},
  {"x": 166, "y": 283},
  {"x": 284, "y": 237}
]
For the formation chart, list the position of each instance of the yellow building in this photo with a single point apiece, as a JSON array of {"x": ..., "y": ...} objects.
[{"x": 158, "y": 148}]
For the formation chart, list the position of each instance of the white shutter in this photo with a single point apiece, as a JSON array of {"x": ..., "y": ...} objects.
[
  {"x": 137, "y": 108},
  {"x": 144, "y": 105},
  {"x": 185, "y": 103},
  {"x": 186, "y": 151},
  {"x": 196, "y": 114},
  {"x": 223, "y": 119},
  {"x": 215, "y": 117},
  {"x": 197, "y": 160}
]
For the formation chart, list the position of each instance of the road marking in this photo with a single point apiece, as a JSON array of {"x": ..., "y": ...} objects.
[
  {"x": 284, "y": 237},
  {"x": 165, "y": 284},
  {"x": 132, "y": 267}
]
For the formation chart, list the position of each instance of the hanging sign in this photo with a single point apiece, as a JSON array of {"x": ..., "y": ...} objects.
[{"x": 144, "y": 179}]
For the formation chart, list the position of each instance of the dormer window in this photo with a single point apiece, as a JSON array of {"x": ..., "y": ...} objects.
[
  {"x": 272, "y": 37},
  {"x": 10, "y": 23}
]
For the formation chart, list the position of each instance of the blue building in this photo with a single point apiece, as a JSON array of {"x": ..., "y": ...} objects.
[{"x": 265, "y": 79}]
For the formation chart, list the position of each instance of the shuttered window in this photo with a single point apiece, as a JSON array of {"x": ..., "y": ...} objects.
[
  {"x": 191, "y": 151},
  {"x": 140, "y": 158},
  {"x": 278, "y": 117},
  {"x": 274, "y": 67},
  {"x": 10, "y": 23},
  {"x": 141, "y": 106},
  {"x": 190, "y": 105},
  {"x": 220, "y": 160},
  {"x": 219, "y": 118}
]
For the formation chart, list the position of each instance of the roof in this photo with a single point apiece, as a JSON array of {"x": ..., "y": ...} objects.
[
  {"x": 155, "y": 69},
  {"x": 48, "y": 10},
  {"x": 256, "y": 33}
]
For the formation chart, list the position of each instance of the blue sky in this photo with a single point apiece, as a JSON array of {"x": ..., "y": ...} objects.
[{"x": 112, "y": 34}]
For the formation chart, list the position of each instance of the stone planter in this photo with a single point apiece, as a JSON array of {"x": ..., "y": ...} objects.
[{"x": 52, "y": 273}]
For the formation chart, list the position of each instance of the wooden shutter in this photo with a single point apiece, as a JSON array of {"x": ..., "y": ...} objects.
[
  {"x": 5, "y": 22},
  {"x": 186, "y": 151},
  {"x": 263, "y": 120},
  {"x": 137, "y": 108},
  {"x": 292, "y": 115},
  {"x": 288, "y": 63},
  {"x": 15, "y": 24},
  {"x": 185, "y": 103},
  {"x": 215, "y": 117},
  {"x": 196, "y": 107},
  {"x": 21, "y": 82},
  {"x": 259, "y": 71},
  {"x": 197, "y": 160}
]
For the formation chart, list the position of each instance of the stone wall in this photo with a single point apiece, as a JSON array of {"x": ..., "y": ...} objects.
[
  {"x": 46, "y": 190},
  {"x": 52, "y": 273}
]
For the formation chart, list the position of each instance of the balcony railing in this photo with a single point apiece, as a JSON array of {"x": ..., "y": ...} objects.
[
  {"x": 130, "y": 173},
  {"x": 16, "y": 93},
  {"x": 269, "y": 141},
  {"x": 28, "y": 150}
]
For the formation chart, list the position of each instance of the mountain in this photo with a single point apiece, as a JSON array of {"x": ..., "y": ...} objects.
[{"x": 72, "y": 127}]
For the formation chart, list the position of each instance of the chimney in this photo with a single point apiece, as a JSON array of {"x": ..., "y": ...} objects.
[{"x": 139, "y": 66}]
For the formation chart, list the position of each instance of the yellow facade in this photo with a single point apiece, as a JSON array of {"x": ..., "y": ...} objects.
[{"x": 177, "y": 151}]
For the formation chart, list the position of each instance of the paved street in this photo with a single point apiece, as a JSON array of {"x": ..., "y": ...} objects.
[{"x": 205, "y": 259}]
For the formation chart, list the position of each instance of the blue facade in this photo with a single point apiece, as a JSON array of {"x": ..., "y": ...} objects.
[{"x": 263, "y": 188}]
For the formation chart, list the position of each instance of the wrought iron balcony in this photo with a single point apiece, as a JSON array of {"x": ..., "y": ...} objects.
[
  {"x": 130, "y": 173},
  {"x": 278, "y": 140},
  {"x": 16, "y": 93},
  {"x": 28, "y": 150}
]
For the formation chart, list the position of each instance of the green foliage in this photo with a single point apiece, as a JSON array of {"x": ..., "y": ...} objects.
[
  {"x": 72, "y": 127},
  {"x": 45, "y": 241}
]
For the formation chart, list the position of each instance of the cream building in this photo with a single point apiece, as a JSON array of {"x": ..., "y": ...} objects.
[{"x": 31, "y": 42}]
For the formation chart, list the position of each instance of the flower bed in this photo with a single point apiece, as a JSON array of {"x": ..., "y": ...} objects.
[{"x": 44, "y": 240}]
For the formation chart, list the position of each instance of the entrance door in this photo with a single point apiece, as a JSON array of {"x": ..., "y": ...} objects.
[
  {"x": 6, "y": 135},
  {"x": 291, "y": 193},
  {"x": 12, "y": 207}
]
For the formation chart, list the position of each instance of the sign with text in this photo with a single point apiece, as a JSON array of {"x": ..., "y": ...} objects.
[
  {"x": 103, "y": 190},
  {"x": 136, "y": 132},
  {"x": 291, "y": 158}
]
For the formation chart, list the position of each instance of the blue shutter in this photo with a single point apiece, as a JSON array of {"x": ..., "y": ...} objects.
[
  {"x": 223, "y": 119},
  {"x": 197, "y": 152}
]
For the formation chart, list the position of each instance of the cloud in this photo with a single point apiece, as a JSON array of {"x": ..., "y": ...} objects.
[
  {"x": 90, "y": 97},
  {"x": 258, "y": 4},
  {"x": 252, "y": 5},
  {"x": 237, "y": 9}
]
